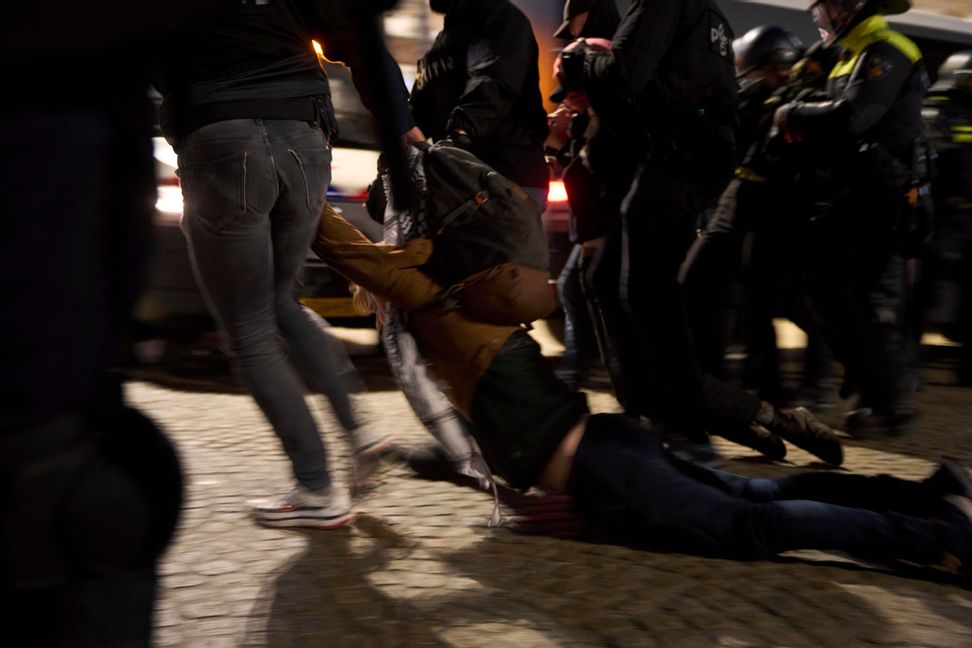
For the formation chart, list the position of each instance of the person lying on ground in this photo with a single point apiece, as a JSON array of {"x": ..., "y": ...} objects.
[{"x": 535, "y": 432}]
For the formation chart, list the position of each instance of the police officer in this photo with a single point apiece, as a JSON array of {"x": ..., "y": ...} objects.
[
  {"x": 872, "y": 120},
  {"x": 674, "y": 61},
  {"x": 948, "y": 120}
]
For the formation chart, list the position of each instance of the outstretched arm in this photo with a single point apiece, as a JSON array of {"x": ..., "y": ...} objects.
[{"x": 389, "y": 272}]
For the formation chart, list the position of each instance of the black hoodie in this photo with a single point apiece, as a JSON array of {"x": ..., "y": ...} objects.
[
  {"x": 254, "y": 60},
  {"x": 481, "y": 75}
]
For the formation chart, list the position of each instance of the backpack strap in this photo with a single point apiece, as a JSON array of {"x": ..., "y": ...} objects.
[{"x": 470, "y": 205}]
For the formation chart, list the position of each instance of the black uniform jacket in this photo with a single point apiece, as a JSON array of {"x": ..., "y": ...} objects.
[
  {"x": 481, "y": 76},
  {"x": 675, "y": 56}
]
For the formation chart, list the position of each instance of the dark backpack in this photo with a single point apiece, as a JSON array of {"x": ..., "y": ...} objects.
[{"x": 478, "y": 219}]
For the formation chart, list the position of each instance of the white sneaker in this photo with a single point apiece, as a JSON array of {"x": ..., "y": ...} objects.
[
  {"x": 369, "y": 445},
  {"x": 303, "y": 508},
  {"x": 368, "y": 440}
]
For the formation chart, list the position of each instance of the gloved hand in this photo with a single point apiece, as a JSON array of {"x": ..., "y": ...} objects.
[
  {"x": 457, "y": 138},
  {"x": 569, "y": 68}
]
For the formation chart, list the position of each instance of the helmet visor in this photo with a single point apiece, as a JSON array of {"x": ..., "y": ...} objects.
[{"x": 825, "y": 26}]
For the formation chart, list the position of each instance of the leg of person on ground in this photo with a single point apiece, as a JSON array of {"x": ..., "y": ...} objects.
[
  {"x": 428, "y": 402},
  {"x": 629, "y": 483}
]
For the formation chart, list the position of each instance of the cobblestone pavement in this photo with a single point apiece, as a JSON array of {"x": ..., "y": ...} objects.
[{"x": 420, "y": 567}]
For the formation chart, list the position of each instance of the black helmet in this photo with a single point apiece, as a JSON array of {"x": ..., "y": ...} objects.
[
  {"x": 955, "y": 74},
  {"x": 765, "y": 45},
  {"x": 852, "y": 12}
]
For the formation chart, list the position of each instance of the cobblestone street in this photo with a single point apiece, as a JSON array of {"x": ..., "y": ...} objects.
[{"x": 420, "y": 567}]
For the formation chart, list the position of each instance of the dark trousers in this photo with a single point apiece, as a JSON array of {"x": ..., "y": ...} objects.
[
  {"x": 625, "y": 480},
  {"x": 754, "y": 213},
  {"x": 634, "y": 290},
  {"x": 79, "y": 527},
  {"x": 858, "y": 295},
  {"x": 254, "y": 190},
  {"x": 580, "y": 344}
]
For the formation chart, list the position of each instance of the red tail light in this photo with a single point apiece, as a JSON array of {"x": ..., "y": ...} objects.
[{"x": 557, "y": 192}]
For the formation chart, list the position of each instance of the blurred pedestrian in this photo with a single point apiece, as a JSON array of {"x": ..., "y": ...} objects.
[
  {"x": 90, "y": 488},
  {"x": 247, "y": 107},
  {"x": 948, "y": 119}
]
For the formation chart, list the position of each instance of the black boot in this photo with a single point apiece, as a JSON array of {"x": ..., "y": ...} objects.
[{"x": 802, "y": 429}]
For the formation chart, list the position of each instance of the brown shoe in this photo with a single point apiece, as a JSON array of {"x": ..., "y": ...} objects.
[{"x": 802, "y": 429}]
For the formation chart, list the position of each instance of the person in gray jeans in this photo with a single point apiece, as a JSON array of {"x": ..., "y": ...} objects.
[
  {"x": 253, "y": 192},
  {"x": 248, "y": 109}
]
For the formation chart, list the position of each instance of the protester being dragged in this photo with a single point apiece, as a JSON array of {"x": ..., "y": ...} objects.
[
  {"x": 455, "y": 456},
  {"x": 536, "y": 432}
]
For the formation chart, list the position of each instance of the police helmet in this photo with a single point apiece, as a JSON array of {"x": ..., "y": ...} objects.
[
  {"x": 764, "y": 46},
  {"x": 955, "y": 73},
  {"x": 850, "y": 13}
]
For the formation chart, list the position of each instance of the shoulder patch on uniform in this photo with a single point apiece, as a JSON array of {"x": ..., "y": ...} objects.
[
  {"x": 720, "y": 36},
  {"x": 878, "y": 67}
]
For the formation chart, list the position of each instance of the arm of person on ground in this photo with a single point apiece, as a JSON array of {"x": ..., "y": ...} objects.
[
  {"x": 871, "y": 91},
  {"x": 389, "y": 272},
  {"x": 459, "y": 349},
  {"x": 497, "y": 68}
]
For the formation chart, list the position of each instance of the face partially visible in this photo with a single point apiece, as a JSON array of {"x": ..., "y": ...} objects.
[{"x": 827, "y": 17}]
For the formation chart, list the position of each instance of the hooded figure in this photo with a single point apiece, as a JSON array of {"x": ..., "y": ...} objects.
[{"x": 480, "y": 85}]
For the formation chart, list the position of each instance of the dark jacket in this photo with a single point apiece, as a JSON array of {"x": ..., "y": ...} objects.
[
  {"x": 675, "y": 57},
  {"x": 254, "y": 60},
  {"x": 481, "y": 76}
]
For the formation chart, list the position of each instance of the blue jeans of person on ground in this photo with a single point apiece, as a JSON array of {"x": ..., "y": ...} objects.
[
  {"x": 254, "y": 190},
  {"x": 624, "y": 479}
]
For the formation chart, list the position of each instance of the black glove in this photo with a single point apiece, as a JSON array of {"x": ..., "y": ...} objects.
[
  {"x": 457, "y": 139},
  {"x": 572, "y": 75}
]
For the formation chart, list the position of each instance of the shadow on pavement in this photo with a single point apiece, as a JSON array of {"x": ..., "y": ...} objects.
[{"x": 324, "y": 598}]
